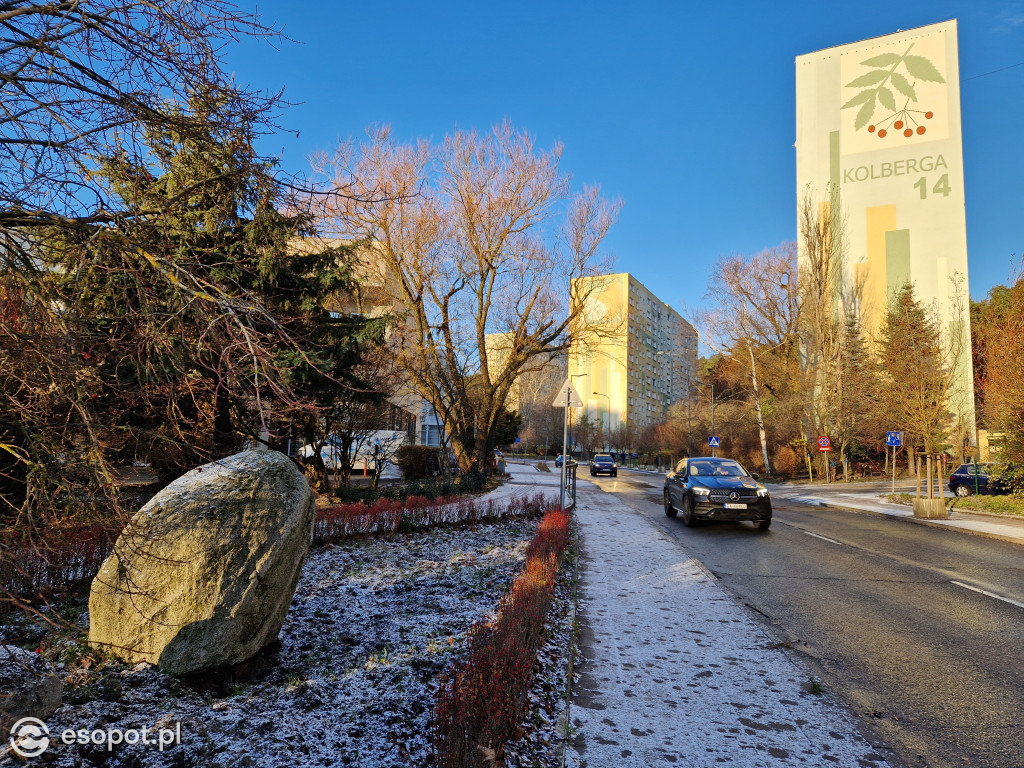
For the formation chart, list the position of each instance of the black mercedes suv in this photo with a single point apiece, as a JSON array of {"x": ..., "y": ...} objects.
[{"x": 711, "y": 488}]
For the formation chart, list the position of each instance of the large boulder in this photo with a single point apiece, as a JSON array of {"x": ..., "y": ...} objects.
[
  {"x": 203, "y": 574},
  {"x": 29, "y": 686}
]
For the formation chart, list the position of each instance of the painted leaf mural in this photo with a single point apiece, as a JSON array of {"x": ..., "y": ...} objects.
[
  {"x": 877, "y": 85},
  {"x": 922, "y": 69}
]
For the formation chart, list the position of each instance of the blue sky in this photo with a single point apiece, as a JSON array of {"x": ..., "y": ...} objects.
[{"x": 684, "y": 110}]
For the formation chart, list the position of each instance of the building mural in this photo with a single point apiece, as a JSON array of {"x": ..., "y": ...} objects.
[{"x": 878, "y": 140}]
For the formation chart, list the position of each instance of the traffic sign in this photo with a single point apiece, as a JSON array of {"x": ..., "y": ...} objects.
[
  {"x": 714, "y": 442},
  {"x": 894, "y": 439},
  {"x": 518, "y": 440},
  {"x": 824, "y": 444},
  {"x": 567, "y": 396}
]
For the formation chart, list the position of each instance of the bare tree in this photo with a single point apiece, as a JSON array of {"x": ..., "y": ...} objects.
[
  {"x": 478, "y": 235},
  {"x": 81, "y": 81},
  {"x": 755, "y": 317},
  {"x": 824, "y": 298}
]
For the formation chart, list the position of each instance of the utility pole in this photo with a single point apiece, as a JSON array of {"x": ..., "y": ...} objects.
[{"x": 565, "y": 443}]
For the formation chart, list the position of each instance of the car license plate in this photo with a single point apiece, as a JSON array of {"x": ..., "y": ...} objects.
[{"x": 735, "y": 506}]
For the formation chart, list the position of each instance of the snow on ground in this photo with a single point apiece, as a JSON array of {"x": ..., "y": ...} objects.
[
  {"x": 373, "y": 624},
  {"x": 677, "y": 673}
]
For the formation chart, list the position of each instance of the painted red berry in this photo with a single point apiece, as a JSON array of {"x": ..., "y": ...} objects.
[
  {"x": 920, "y": 129},
  {"x": 881, "y": 134},
  {"x": 928, "y": 115},
  {"x": 908, "y": 133},
  {"x": 871, "y": 129},
  {"x": 898, "y": 124}
]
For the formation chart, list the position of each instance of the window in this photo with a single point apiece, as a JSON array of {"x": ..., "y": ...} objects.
[{"x": 430, "y": 434}]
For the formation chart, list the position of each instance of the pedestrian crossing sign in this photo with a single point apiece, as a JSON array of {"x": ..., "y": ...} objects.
[{"x": 714, "y": 442}]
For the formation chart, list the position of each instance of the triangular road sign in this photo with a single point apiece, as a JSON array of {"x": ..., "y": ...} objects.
[
  {"x": 567, "y": 392},
  {"x": 714, "y": 442}
]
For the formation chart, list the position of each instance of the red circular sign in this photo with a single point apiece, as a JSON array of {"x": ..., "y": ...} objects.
[{"x": 824, "y": 444}]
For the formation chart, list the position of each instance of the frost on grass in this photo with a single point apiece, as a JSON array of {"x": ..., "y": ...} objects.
[{"x": 372, "y": 626}]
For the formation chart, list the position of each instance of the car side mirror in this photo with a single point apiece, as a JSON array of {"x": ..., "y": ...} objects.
[{"x": 754, "y": 475}]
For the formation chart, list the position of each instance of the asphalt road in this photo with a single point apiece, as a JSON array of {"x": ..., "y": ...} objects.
[{"x": 888, "y": 614}]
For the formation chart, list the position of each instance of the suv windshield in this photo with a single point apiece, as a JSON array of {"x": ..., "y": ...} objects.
[
  {"x": 717, "y": 469},
  {"x": 602, "y": 457}
]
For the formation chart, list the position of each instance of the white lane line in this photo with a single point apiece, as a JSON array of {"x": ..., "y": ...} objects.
[
  {"x": 823, "y": 538},
  {"x": 990, "y": 594}
]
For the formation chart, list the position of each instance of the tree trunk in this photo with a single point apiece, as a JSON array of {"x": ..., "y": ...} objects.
[
  {"x": 757, "y": 410},
  {"x": 223, "y": 431}
]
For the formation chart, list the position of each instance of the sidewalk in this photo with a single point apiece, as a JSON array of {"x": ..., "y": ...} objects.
[
  {"x": 677, "y": 673},
  {"x": 527, "y": 480},
  {"x": 843, "y": 496}
]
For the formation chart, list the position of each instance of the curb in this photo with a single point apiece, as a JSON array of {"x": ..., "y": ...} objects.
[{"x": 563, "y": 718}]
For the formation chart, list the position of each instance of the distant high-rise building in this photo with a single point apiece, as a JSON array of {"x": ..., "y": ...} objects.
[
  {"x": 532, "y": 392},
  {"x": 632, "y": 355}
]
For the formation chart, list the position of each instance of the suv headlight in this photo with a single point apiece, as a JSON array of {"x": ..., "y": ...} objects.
[
  {"x": 762, "y": 492},
  {"x": 701, "y": 491}
]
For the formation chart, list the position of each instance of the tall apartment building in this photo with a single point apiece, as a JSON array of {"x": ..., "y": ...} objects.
[
  {"x": 533, "y": 391},
  {"x": 633, "y": 356}
]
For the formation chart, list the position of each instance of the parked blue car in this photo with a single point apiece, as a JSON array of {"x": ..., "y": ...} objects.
[{"x": 981, "y": 478}]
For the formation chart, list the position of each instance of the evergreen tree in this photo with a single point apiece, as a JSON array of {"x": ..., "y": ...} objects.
[
  {"x": 916, "y": 372},
  {"x": 860, "y": 418},
  {"x": 187, "y": 325}
]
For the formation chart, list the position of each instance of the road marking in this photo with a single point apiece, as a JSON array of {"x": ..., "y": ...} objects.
[
  {"x": 823, "y": 538},
  {"x": 990, "y": 594}
]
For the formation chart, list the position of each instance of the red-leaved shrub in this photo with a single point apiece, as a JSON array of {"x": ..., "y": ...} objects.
[
  {"x": 482, "y": 701},
  {"x": 387, "y": 515},
  {"x": 54, "y": 557}
]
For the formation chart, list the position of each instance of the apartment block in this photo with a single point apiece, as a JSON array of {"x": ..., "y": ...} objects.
[{"x": 633, "y": 356}]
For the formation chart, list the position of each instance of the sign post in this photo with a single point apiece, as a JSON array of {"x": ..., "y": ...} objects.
[
  {"x": 824, "y": 446},
  {"x": 567, "y": 398},
  {"x": 895, "y": 439}
]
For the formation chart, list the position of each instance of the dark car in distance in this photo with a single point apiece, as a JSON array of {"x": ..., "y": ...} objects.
[
  {"x": 603, "y": 462},
  {"x": 559, "y": 459},
  {"x": 981, "y": 478},
  {"x": 714, "y": 488}
]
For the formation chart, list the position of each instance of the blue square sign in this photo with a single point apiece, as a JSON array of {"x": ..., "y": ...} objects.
[{"x": 894, "y": 439}]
